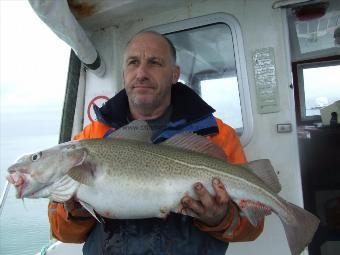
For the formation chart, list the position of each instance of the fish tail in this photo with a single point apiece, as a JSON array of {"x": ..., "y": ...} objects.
[{"x": 299, "y": 230}]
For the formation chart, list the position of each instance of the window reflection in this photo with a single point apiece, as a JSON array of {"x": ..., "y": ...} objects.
[
  {"x": 223, "y": 94},
  {"x": 321, "y": 87},
  {"x": 207, "y": 60}
]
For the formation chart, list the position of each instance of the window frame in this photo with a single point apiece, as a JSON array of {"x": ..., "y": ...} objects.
[
  {"x": 240, "y": 61},
  {"x": 299, "y": 92}
]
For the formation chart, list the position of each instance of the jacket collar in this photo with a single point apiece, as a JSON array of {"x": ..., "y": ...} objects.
[{"x": 187, "y": 107}]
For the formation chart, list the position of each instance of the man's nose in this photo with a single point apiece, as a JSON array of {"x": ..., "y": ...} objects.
[{"x": 142, "y": 72}]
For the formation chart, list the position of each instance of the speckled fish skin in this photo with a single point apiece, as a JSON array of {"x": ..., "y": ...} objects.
[
  {"x": 128, "y": 179},
  {"x": 161, "y": 175}
]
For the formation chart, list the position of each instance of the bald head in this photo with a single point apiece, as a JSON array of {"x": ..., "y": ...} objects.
[{"x": 171, "y": 47}]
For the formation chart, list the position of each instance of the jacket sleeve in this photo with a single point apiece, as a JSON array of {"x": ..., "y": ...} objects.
[
  {"x": 234, "y": 227},
  {"x": 75, "y": 225},
  {"x": 69, "y": 227}
]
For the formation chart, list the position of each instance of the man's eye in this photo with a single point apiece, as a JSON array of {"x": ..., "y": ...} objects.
[
  {"x": 132, "y": 62},
  {"x": 155, "y": 62}
]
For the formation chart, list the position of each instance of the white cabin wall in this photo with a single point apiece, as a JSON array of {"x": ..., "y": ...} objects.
[
  {"x": 268, "y": 31},
  {"x": 261, "y": 27},
  {"x": 102, "y": 86}
]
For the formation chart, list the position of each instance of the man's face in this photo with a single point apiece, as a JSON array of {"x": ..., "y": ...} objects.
[{"x": 149, "y": 72}]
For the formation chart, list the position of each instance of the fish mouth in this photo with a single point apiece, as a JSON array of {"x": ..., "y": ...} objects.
[
  {"x": 16, "y": 178},
  {"x": 19, "y": 180},
  {"x": 23, "y": 185},
  {"x": 32, "y": 194},
  {"x": 16, "y": 168}
]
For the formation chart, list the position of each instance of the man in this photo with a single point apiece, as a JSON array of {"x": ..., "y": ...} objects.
[{"x": 152, "y": 93}]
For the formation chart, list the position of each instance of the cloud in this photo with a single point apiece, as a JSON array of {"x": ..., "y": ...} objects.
[{"x": 33, "y": 60}]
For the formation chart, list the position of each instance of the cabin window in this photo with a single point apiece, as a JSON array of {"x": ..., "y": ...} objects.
[
  {"x": 211, "y": 57},
  {"x": 318, "y": 86}
]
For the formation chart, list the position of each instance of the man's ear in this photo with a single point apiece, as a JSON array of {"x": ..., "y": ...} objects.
[
  {"x": 175, "y": 74},
  {"x": 123, "y": 77}
]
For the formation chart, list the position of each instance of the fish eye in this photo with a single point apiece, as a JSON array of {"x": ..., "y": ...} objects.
[{"x": 36, "y": 156}]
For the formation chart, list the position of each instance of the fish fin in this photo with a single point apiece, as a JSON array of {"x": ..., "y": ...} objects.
[
  {"x": 84, "y": 173},
  {"x": 138, "y": 130},
  {"x": 253, "y": 210},
  {"x": 196, "y": 143},
  {"x": 89, "y": 208},
  {"x": 301, "y": 229},
  {"x": 263, "y": 169}
]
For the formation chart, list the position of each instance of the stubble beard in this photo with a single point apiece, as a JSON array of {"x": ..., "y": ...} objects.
[{"x": 148, "y": 104}]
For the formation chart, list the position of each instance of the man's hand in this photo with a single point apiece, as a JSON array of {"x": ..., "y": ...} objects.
[{"x": 211, "y": 210}]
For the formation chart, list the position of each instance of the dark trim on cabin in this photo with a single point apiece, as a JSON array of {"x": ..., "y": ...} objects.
[
  {"x": 296, "y": 85},
  {"x": 96, "y": 64},
  {"x": 70, "y": 99}
]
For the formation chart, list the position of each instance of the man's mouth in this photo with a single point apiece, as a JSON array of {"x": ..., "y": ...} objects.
[{"x": 142, "y": 87}]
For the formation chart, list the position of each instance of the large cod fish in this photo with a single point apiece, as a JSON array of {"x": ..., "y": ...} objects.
[{"x": 128, "y": 177}]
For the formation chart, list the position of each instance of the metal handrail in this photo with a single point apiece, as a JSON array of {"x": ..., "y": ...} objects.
[{"x": 4, "y": 196}]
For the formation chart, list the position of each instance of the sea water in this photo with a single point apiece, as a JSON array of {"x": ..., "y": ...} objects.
[{"x": 24, "y": 227}]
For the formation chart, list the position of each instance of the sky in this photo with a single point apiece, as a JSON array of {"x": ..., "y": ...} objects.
[
  {"x": 33, "y": 61},
  {"x": 33, "y": 71},
  {"x": 321, "y": 85}
]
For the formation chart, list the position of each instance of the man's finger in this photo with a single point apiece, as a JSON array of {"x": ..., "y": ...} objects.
[
  {"x": 193, "y": 205},
  {"x": 204, "y": 196},
  {"x": 222, "y": 196}
]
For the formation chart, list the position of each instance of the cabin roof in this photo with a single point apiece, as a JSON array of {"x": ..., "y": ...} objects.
[{"x": 95, "y": 14}]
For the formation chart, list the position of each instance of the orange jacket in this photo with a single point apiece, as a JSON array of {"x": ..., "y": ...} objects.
[{"x": 74, "y": 226}]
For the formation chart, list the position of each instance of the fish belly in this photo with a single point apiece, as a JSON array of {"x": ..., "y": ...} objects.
[{"x": 124, "y": 200}]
